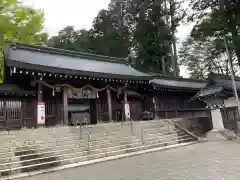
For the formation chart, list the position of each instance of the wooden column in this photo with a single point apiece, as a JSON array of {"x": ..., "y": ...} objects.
[
  {"x": 109, "y": 97},
  {"x": 39, "y": 99},
  {"x": 65, "y": 106},
  {"x": 98, "y": 110},
  {"x": 40, "y": 93}
]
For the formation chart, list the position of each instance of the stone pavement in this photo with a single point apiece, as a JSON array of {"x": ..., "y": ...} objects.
[{"x": 219, "y": 160}]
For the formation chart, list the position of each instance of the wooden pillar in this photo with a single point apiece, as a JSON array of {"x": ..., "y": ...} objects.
[
  {"x": 109, "y": 98},
  {"x": 98, "y": 110},
  {"x": 65, "y": 106},
  {"x": 40, "y": 93},
  {"x": 39, "y": 99}
]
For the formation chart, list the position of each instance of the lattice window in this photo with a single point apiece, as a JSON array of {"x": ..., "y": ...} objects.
[
  {"x": 13, "y": 109},
  {"x": 50, "y": 107}
]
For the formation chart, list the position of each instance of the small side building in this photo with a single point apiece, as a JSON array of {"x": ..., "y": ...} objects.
[{"x": 219, "y": 97}]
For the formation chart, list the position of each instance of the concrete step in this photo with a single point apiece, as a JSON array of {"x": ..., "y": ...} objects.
[
  {"x": 89, "y": 157},
  {"x": 67, "y": 155},
  {"x": 73, "y": 141},
  {"x": 75, "y": 148},
  {"x": 166, "y": 135},
  {"x": 90, "y": 128},
  {"x": 104, "y": 145},
  {"x": 76, "y": 134},
  {"x": 110, "y": 147},
  {"x": 45, "y": 139},
  {"x": 51, "y": 134},
  {"x": 43, "y": 146},
  {"x": 62, "y": 141},
  {"x": 158, "y": 133}
]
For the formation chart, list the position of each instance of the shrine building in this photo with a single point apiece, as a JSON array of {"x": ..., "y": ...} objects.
[{"x": 86, "y": 88}]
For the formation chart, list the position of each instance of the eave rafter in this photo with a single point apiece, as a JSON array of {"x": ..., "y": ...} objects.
[{"x": 42, "y": 75}]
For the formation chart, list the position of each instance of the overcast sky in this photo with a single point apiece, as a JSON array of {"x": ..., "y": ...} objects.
[{"x": 79, "y": 13}]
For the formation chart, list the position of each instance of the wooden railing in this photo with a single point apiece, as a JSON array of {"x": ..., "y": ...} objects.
[{"x": 183, "y": 113}]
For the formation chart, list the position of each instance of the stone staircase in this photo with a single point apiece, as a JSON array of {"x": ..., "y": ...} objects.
[{"x": 45, "y": 148}]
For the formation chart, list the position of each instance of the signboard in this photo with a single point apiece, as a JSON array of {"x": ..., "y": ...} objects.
[
  {"x": 127, "y": 110},
  {"x": 40, "y": 113},
  {"x": 83, "y": 94}
]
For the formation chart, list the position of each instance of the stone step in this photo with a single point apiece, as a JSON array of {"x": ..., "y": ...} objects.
[
  {"x": 71, "y": 152},
  {"x": 109, "y": 145},
  {"x": 65, "y": 143},
  {"x": 163, "y": 135},
  {"x": 76, "y": 147},
  {"x": 68, "y": 155},
  {"x": 44, "y": 138},
  {"x": 59, "y": 132},
  {"x": 159, "y": 133},
  {"x": 91, "y": 128},
  {"x": 88, "y": 157},
  {"x": 51, "y": 133},
  {"x": 7, "y": 148}
]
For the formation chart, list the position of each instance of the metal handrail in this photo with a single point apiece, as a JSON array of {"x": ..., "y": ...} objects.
[{"x": 89, "y": 139}]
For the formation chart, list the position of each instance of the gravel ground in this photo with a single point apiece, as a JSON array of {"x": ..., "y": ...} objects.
[{"x": 219, "y": 160}]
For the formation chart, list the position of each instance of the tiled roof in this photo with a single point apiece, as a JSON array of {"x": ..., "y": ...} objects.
[
  {"x": 177, "y": 83},
  {"x": 209, "y": 91},
  {"x": 70, "y": 62}
]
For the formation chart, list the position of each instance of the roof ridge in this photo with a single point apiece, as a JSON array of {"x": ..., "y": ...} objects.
[
  {"x": 65, "y": 52},
  {"x": 225, "y": 77},
  {"x": 180, "y": 78}
]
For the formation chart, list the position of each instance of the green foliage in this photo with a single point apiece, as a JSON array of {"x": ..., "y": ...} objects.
[
  {"x": 152, "y": 39},
  {"x": 20, "y": 23},
  {"x": 133, "y": 29},
  {"x": 203, "y": 57},
  {"x": 205, "y": 46}
]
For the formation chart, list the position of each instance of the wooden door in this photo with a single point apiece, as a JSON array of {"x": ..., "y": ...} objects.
[{"x": 10, "y": 114}]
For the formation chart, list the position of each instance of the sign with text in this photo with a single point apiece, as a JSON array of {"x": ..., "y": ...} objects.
[
  {"x": 82, "y": 94},
  {"x": 41, "y": 113},
  {"x": 127, "y": 110}
]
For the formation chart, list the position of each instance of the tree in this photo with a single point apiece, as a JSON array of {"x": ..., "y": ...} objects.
[
  {"x": 20, "y": 23},
  {"x": 152, "y": 39},
  {"x": 131, "y": 29},
  {"x": 221, "y": 16},
  {"x": 174, "y": 15},
  {"x": 103, "y": 38},
  {"x": 108, "y": 30},
  {"x": 202, "y": 57},
  {"x": 214, "y": 19}
]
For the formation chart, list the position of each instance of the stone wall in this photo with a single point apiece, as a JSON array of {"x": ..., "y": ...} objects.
[{"x": 197, "y": 126}]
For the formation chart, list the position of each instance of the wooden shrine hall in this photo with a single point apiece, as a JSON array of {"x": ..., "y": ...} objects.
[{"x": 86, "y": 88}]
